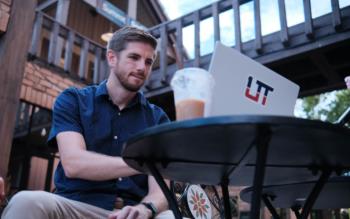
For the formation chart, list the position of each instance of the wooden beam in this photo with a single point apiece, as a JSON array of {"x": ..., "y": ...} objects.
[
  {"x": 61, "y": 17},
  {"x": 132, "y": 9},
  {"x": 336, "y": 17},
  {"x": 53, "y": 43},
  {"x": 197, "y": 43},
  {"x": 83, "y": 60},
  {"x": 257, "y": 19},
  {"x": 97, "y": 63},
  {"x": 283, "y": 22},
  {"x": 36, "y": 35},
  {"x": 237, "y": 25},
  {"x": 179, "y": 44},
  {"x": 13, "y": 57},
  {"x": 216, "y": 18},
  {"x": 104, "y": 69},
  {"x": 69, "y": 52},
  {"x": 163, "y": 54},
  {"x": 309, "y": 29},
  {"x": 153, "y": 5},
  {"x": 62, "y": 11},
  {"x": 45, "y": 5}
]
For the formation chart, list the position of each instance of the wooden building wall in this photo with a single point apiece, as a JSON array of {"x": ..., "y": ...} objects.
[
  {"x": 86, "y": 21},
  {"x": 83, "y": 19}
]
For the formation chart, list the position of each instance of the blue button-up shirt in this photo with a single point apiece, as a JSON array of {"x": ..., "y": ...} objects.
[{"x": 105, "y": 128}]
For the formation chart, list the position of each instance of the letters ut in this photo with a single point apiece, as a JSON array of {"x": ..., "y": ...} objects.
[{"x": 259, "y": 90}]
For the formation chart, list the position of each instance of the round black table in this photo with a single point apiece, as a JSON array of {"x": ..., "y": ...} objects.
[
  {"x": 334, "y": 195},
  {"x": 240, "y": 150}
]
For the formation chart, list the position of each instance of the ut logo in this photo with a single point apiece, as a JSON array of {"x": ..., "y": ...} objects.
[{"x": 261, "y": 85}]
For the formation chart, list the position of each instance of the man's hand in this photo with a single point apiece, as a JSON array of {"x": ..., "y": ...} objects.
[
  {"x": 2, "y": 190},
  {"x": 347, "y": 81},
  {"x": 132, "y": 212}
]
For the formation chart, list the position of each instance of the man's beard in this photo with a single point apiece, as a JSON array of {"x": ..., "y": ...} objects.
[{"x": 124, "y": 82}]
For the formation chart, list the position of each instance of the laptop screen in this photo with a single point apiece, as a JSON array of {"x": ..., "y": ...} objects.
[{"x": 244, "y": 86}]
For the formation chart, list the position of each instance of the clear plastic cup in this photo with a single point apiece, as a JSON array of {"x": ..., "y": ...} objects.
[{"x": 192, "y": 92}]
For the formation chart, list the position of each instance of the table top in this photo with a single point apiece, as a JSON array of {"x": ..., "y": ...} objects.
[
  {"x": 207, "y": 149},
  {"x": 335, "y": 194}
]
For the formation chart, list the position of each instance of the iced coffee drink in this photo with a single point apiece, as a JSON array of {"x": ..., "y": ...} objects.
[
  {"x": 192, "y": 92},
  {"x": 189, "y": 109}
]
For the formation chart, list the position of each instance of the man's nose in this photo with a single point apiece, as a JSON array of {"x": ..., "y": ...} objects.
[{"x": 141, "y": 65}]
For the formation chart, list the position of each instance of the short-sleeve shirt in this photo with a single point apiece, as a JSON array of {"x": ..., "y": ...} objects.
[{"x": 105, "y": 128}]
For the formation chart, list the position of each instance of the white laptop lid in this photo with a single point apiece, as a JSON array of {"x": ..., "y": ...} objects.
[{"x": 237, "y": 80}]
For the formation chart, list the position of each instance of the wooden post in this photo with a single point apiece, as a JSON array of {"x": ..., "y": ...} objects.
[
  {"x": 14, "y": 45},
  {"x": 61, "y": 17},
  {"x": 163, "y": 53},
  {"x": 97, "y": 63},
  {"x": 69, "y": 51},
  {"x": 257, "y": 19},
  {"x": 36, "y": 35},
  {"x": 336, "y": 16},
  {"x": 309, "y": 30},
  {"x": 197, "y": 43},
  {"x": 132, "y": 9},
  {"x": 83, "y": 59},
  {"x": 237, "y": 25},
  {"x": 283, "y": 20},
  {"x": 215, "y": 11},
  {"x": 179, "y": 44}
]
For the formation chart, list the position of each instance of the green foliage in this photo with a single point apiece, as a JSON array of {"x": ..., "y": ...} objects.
[
  {"x": 327, "y": 106},
  {"x": 309, "y": 104}
]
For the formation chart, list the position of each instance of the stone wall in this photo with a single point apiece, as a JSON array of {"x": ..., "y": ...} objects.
[
  {"x": 5, "y": 7},
  {"x": 41, "y": 85}
]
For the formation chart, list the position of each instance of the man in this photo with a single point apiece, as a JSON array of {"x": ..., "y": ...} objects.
[{"x": 89, "y": 127}]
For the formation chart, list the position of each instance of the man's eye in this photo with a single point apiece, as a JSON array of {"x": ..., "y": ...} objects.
[
  {"x": 133, "y": 57},
  {"x": 149, "y": 62}
]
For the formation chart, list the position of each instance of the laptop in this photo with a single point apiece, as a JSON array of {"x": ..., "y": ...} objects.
[{"x": 244, "y": 86}]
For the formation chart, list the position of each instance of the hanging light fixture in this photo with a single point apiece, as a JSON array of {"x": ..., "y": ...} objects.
[{"x": 108, "y": 35}]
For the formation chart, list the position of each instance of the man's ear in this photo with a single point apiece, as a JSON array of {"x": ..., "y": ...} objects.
[{"x": 111, "y": 57}]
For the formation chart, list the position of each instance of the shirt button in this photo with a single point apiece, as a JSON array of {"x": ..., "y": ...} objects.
[
  {"x": 120, "y": 179},
  {"x": 119, "y": 113},
  {"x": 115, "y": 137}
]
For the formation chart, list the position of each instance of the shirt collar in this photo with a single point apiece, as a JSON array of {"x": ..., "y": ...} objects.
[
  {"x": 102, "y": 91},
  {"x": 141, "y": 98}
]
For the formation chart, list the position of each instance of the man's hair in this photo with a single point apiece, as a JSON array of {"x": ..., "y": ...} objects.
[{"x": 127, "y": 34}]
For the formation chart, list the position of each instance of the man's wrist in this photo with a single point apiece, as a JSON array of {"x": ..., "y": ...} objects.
[{"x": 151, "y": 207}]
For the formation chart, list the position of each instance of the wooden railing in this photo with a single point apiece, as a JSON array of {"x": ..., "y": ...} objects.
[
  {"x": 63, "y": 44},
  {"x": 264, "y": 49},
  {"x": 260, "y": 48}
]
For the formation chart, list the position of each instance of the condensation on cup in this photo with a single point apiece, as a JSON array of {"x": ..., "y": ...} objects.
[{"x": 192, "y": 92}]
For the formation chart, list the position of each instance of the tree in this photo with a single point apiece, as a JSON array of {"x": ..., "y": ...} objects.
[{"x": 328, "y": 106}]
